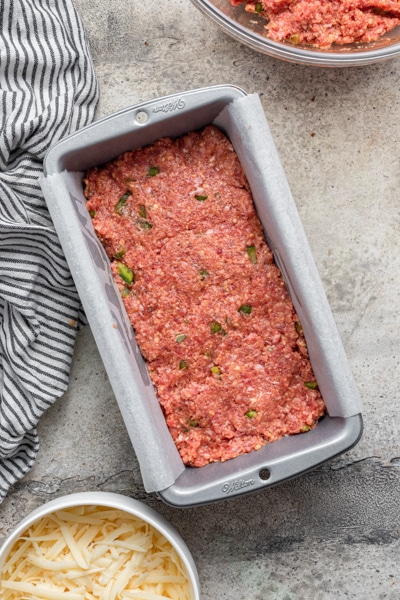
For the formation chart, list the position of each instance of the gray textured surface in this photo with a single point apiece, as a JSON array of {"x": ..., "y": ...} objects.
[{"x": 335, "y": 532}]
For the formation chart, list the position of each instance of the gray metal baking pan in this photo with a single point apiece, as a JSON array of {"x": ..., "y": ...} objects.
[{"x": 138, "y": 126}]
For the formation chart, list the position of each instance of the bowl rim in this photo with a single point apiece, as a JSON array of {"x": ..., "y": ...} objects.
[{"x": 109, "y": 500}]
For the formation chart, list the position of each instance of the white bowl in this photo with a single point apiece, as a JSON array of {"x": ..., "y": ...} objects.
[
  {"x": 249, "y": 29},
  {"x": 117, "y": 501}
]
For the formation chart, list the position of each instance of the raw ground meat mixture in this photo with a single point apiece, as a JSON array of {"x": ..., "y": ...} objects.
[
  {"x": 321, "y": 23},
  {"x": 210, "y": 310}
]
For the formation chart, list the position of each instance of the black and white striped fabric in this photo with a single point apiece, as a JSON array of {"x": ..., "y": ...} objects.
[{"x": 48, "y": 89}]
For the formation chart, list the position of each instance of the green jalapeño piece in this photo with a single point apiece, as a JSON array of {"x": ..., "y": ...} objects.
[
  {"x": 216, "y": 371},
  {"x": 298, "y": 327},
  {"x": 252, "y": 253},
  {"x": 122, "y": 201},
  {"x": 125, "y": 273},
  {"x": 142, "y": 212},
  {"x": 250, "y": 414},
  {"x": 120, "y": 253},
  {"x": 245, "y": 309},
  {"x": 151, "y": 171},
  {"x": 216, "y": 327},
  {"x": 145, "y": 225},
  {"x": 311, "y": 385}
]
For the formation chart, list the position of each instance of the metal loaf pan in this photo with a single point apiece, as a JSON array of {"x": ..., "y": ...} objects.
[{"x": 102, "y": 141}]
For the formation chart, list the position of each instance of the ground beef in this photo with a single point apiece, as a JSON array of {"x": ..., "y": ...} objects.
[
  {"x": 321, "y": 23},
  {"x": 209, "y": 307}
]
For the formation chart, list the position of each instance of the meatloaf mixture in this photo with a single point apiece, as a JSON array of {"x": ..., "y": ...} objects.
[
  {"x": 211, "y": 313},
  {"x": 321, "y": 23}
]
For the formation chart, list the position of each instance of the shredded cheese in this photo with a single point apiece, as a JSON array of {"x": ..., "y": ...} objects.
[{"x": 93, "y": 553}]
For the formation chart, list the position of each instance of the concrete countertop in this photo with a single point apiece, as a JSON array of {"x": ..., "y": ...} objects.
[{"x": 335, "y": 532}]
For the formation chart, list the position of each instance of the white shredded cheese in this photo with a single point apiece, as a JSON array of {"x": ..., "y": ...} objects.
[{"x": 93, "y": 553}]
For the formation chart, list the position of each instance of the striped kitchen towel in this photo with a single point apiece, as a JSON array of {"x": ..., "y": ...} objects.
[{"x": 48, "y": 89}]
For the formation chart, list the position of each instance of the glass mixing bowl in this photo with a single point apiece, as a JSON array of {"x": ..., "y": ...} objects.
[{"x": 249, "y": 29}]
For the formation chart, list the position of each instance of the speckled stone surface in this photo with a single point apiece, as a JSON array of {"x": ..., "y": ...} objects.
[{"x": 335, "y": 532}]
